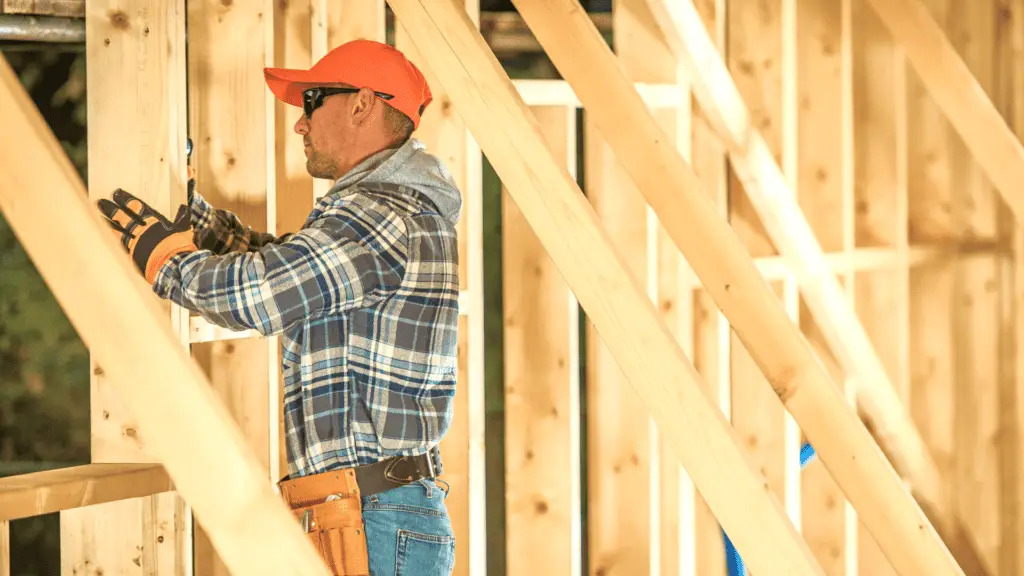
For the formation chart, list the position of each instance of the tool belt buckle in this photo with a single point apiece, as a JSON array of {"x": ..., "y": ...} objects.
[{"x": 404, "y": 470}]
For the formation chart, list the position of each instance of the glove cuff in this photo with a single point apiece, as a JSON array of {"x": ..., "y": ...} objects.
[{"x": 167, "y": 248}]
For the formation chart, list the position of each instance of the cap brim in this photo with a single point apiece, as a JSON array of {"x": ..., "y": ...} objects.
[{"x": 287, "y": 84}]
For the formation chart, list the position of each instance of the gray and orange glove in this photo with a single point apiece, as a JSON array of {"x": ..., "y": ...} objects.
[{"x": 149, "y": 237}]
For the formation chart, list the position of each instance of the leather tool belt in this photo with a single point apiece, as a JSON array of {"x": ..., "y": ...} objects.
[{"x": 328, "y": 505}]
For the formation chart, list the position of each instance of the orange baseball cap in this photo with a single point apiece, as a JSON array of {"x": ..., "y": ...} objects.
[{"x": 363, "y": 64}]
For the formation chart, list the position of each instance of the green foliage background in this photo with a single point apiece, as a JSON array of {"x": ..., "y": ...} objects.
[{"x": 44, "y": 367}]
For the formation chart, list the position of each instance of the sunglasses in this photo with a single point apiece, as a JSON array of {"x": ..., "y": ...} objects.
[{"x": 313, "y": 98}]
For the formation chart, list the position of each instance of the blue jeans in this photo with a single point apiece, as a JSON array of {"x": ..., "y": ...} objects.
[{"x": 408, "y": 531}]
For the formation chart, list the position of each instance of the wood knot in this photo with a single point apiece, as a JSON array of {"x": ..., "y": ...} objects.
[
  {"x": 119, "y": 20},
  {"x": 782, "y": 383}
]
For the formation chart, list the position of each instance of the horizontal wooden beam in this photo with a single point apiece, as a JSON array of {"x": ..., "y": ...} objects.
[
  {"x": 51, "y": 491},
  {"x": 117, "y": 316},
  {"x": 958, "y": 93},
  {"x": 560, "y": 93},
  {"x": 776, "y": 268},
  {"x": 597, "y": 273},
  {"x": 756, "y": 315}
]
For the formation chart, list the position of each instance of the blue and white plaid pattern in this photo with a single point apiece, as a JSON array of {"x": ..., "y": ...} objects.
[{"x": 365, "y": 298}]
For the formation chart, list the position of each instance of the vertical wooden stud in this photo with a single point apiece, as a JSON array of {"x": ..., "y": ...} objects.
[
  {"x": 1010, "y": 98},
  {"x": 755, "y": 58},
  {"x": 135, "y": 50},
  {"x": 229, "y": 45},
  {"x": 542, "y": 438},
  {"x": 712, "y": 343},
  {"x": 826, "y": 198}
]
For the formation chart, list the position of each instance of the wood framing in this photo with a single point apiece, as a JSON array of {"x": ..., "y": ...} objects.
[
  {"x": 753, "y": 310},
  {"x": 958, "y": 93},
  {"x": 543, "y": 531},
  {"x": 773, "y": 199},
  {"x": 105, "y": 299},
  {"x": 79, "y": 486},
  {"x": 771, "y": 196},
  {"x": 596, "y": 272},
  {"x": 228, "y": 47},
  {"x": 135, "y": 52}
]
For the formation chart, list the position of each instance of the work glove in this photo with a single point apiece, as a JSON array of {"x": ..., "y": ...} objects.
[{"x": 149, "y": 237}]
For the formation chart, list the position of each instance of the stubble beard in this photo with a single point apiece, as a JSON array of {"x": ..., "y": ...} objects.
[{"x": 320, "y": 166}]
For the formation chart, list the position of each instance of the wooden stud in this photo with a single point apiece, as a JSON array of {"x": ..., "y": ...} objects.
[
  {"x": 712, "y": 342},
  {"x": 135, "y": 50},
  {"x": 5, "y": 548},
  {"x": 825, "y": 193},
  {"x": 541, "y": 340},
  {"x": 597, "y": 273},
  {"x": 229, "y": 45},
  {"x": 1010, "y": 95},
  {"x": 105, "y": 298}
]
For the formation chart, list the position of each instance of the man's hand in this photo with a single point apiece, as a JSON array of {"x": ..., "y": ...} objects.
[{"x": 149, "y": 237}]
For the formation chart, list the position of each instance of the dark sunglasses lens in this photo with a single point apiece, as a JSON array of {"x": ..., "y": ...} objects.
[{"x": 307, "y": 103}]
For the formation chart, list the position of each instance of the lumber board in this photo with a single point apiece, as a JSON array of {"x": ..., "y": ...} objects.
[
  {"x": 229, "y": 45},
  {"x": 445, "y": 134},
  {"x": 677, "y": 197},
  {"x": 625, "y": 445},
  {"x": 824, "y": 185},
  {"x": 5, "y": 548},
  {"x": 881, "y": 218},
  {"x": 1010, "y": 96},
  {"x": 208, "y": 460},
  {"x": 598, "y": 275},
  {"x": 957, "y": 91},
  {"x": 542, "y": 412},
  {"x": 757, "y": 37},
  {"x": 78, "y": 486},
  {"x": 789, "y": 231},
  {"x": 135, "y": 52},
  {"x": 712, "y": 344}
]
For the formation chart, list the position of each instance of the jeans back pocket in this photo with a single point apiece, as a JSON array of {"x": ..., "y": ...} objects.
[{"x": 424, "y": 554}]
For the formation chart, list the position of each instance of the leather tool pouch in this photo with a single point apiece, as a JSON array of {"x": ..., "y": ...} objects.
[{"x": 335, "y": 527}]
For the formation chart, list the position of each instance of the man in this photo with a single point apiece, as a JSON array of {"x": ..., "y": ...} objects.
[{"x": 365, "y": 297}]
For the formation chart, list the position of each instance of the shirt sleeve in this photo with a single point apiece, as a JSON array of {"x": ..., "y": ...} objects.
[
  {"x": 222, "y": 232},
  {"x": 351, "y": 256}
]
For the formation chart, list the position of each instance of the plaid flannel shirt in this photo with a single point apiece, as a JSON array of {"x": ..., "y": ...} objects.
[{"x": 365, "y": 299}]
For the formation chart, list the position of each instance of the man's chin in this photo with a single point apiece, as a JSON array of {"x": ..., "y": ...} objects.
[{"x": 318, "y": 170}]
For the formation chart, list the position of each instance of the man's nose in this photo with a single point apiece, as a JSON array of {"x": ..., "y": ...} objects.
[{"x": 301, "y": 126}]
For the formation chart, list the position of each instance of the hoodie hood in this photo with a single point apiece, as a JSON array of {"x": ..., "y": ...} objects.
[{"x": 412, "y": 166}]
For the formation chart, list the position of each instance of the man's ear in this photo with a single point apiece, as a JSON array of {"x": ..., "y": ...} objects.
[{"x": 362, "y": 104}]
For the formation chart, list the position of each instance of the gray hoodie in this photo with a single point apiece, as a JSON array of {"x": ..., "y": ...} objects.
[{"x": 408, "y": 165}]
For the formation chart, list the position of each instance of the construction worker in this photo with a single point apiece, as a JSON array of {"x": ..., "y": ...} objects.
[{"x": 364, "y": 296}]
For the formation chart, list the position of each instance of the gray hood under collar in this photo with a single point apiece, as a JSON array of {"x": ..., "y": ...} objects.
[{"x": 412, "y": 166}]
